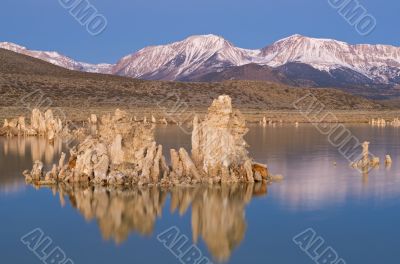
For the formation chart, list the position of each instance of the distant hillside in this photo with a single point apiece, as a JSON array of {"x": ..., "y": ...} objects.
[
  {"x": 372, "y": 71},
  {"x": 246, "y": 72},
  {"x": 21, "y": 75}
]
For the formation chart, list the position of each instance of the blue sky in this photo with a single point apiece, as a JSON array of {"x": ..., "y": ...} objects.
[{"x": 133, "y": 24}]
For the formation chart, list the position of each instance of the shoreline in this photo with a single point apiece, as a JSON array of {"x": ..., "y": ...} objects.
[{"x": 251, "y": 115}]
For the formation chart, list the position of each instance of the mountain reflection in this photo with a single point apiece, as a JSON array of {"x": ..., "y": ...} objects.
[{"x": 217, "y": 212}]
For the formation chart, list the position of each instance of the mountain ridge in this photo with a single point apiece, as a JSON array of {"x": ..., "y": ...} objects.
[
  {"x": 24, "y": 80},
  {"x": 196, "y": 58}
]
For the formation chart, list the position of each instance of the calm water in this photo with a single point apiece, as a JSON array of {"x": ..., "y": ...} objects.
[{"x": 358, "y": 215}]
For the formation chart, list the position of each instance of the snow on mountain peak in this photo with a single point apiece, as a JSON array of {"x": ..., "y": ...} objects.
[
  {"x": 329, "y": 54},
  {"x": 200, "y": 54},
  {"x": 57, "y": 59},
  {"x": 207, "y": 37},
  {"x": 208, "y": 53},
  {"x": 182, "y": 58},
  {"x": 11, "y": 46}
]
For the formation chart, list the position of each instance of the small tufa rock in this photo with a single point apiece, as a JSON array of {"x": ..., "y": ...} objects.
[
  {"x": 50, "y": 136},
  {"x": 264, "y": 122},
  {"x": 61, "y": 161},
  {"x": 164, "y": 121},
  {"x": 277, "y": 178},
  {"x": 375, "y": 162},
  {"x": 116, "y": 153},
  {"x": 257, "y": 177},
  {"x": 262, "y": 170},
  {"x": 388, "y": 160},
  {"x": 37, "y": 171},
  {"x": 249, "y": 171},
  {"x": 365, "y": 163},
  {"x": 93, "y": 119},
  {"x": 41, "y": 124},
  {"x": 189, "y": 168}
]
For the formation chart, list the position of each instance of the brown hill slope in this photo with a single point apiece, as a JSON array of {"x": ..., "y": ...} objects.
[{"x": 22, "y": 76}]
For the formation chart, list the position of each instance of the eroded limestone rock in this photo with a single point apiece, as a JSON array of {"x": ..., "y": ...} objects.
[
  {"x": 40, "y": 124},
  {"x": 368, "y": 161},
  {"x": 92, "y": 121},
  {"x": 36, "y": 174},
  {"x": 380, "y": 122},
  {"x": 124, "y": 152},
  {"x": 218, "y": 147},
  {"x": 388, "y": 160},
  {"x": 164, "y": 121}
]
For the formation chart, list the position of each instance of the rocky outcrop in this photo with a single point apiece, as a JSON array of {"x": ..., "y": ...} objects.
[
  {"x": 396, "y": 122},
  {"x": 380, "y": 122},
  {"x": 92, "y": 122},
  {"x": 16, "y": 126},
  {"x": 364, "y": 163},
  {"x": 388, "y": 161},
  {"x": 40, "y": 125},
  {"x": 183, "y": 168},
  {"x": 153, "y": 119},
  {"x": 264, "y": 122},
  {"x": 368, "y": 161},
  {"x": 164, "y": 121},
  {"x": 218, "y": 147},
  {"x": 120, "y": 152},
  {"x": 124, "y": 152}
]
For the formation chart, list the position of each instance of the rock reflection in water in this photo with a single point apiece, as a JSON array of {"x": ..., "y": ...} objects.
[
  {"x": 118, "y": 212},
  {"x": 218, "y": 217},
  {"x": 217, "y": 211},
  {"x": 18, "y": 153},
  {"x": 39, "y": 147}
]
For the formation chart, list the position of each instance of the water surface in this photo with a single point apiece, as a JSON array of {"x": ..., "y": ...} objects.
[{"x": 355, "y": 214}]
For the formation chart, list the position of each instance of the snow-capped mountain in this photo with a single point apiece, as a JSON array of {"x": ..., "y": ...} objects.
[
  {"x": 57, "y": 59},
  {"x": 176, "y": 61},
  {"x": 199, "y": 55},
  {"x": 380, "y": 63},
  {"x": 297, "y": 59}
]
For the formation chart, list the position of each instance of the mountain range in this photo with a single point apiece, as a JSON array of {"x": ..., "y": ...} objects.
[
  {"x": 27, "y": 82},
  {"x": 368, "y": 70}
]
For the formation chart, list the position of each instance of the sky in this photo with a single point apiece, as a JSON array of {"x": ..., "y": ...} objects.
[{"x": 134, "y": 24}]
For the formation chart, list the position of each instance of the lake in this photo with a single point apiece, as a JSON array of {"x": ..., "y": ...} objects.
[{"x": 354, "y": 214}]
